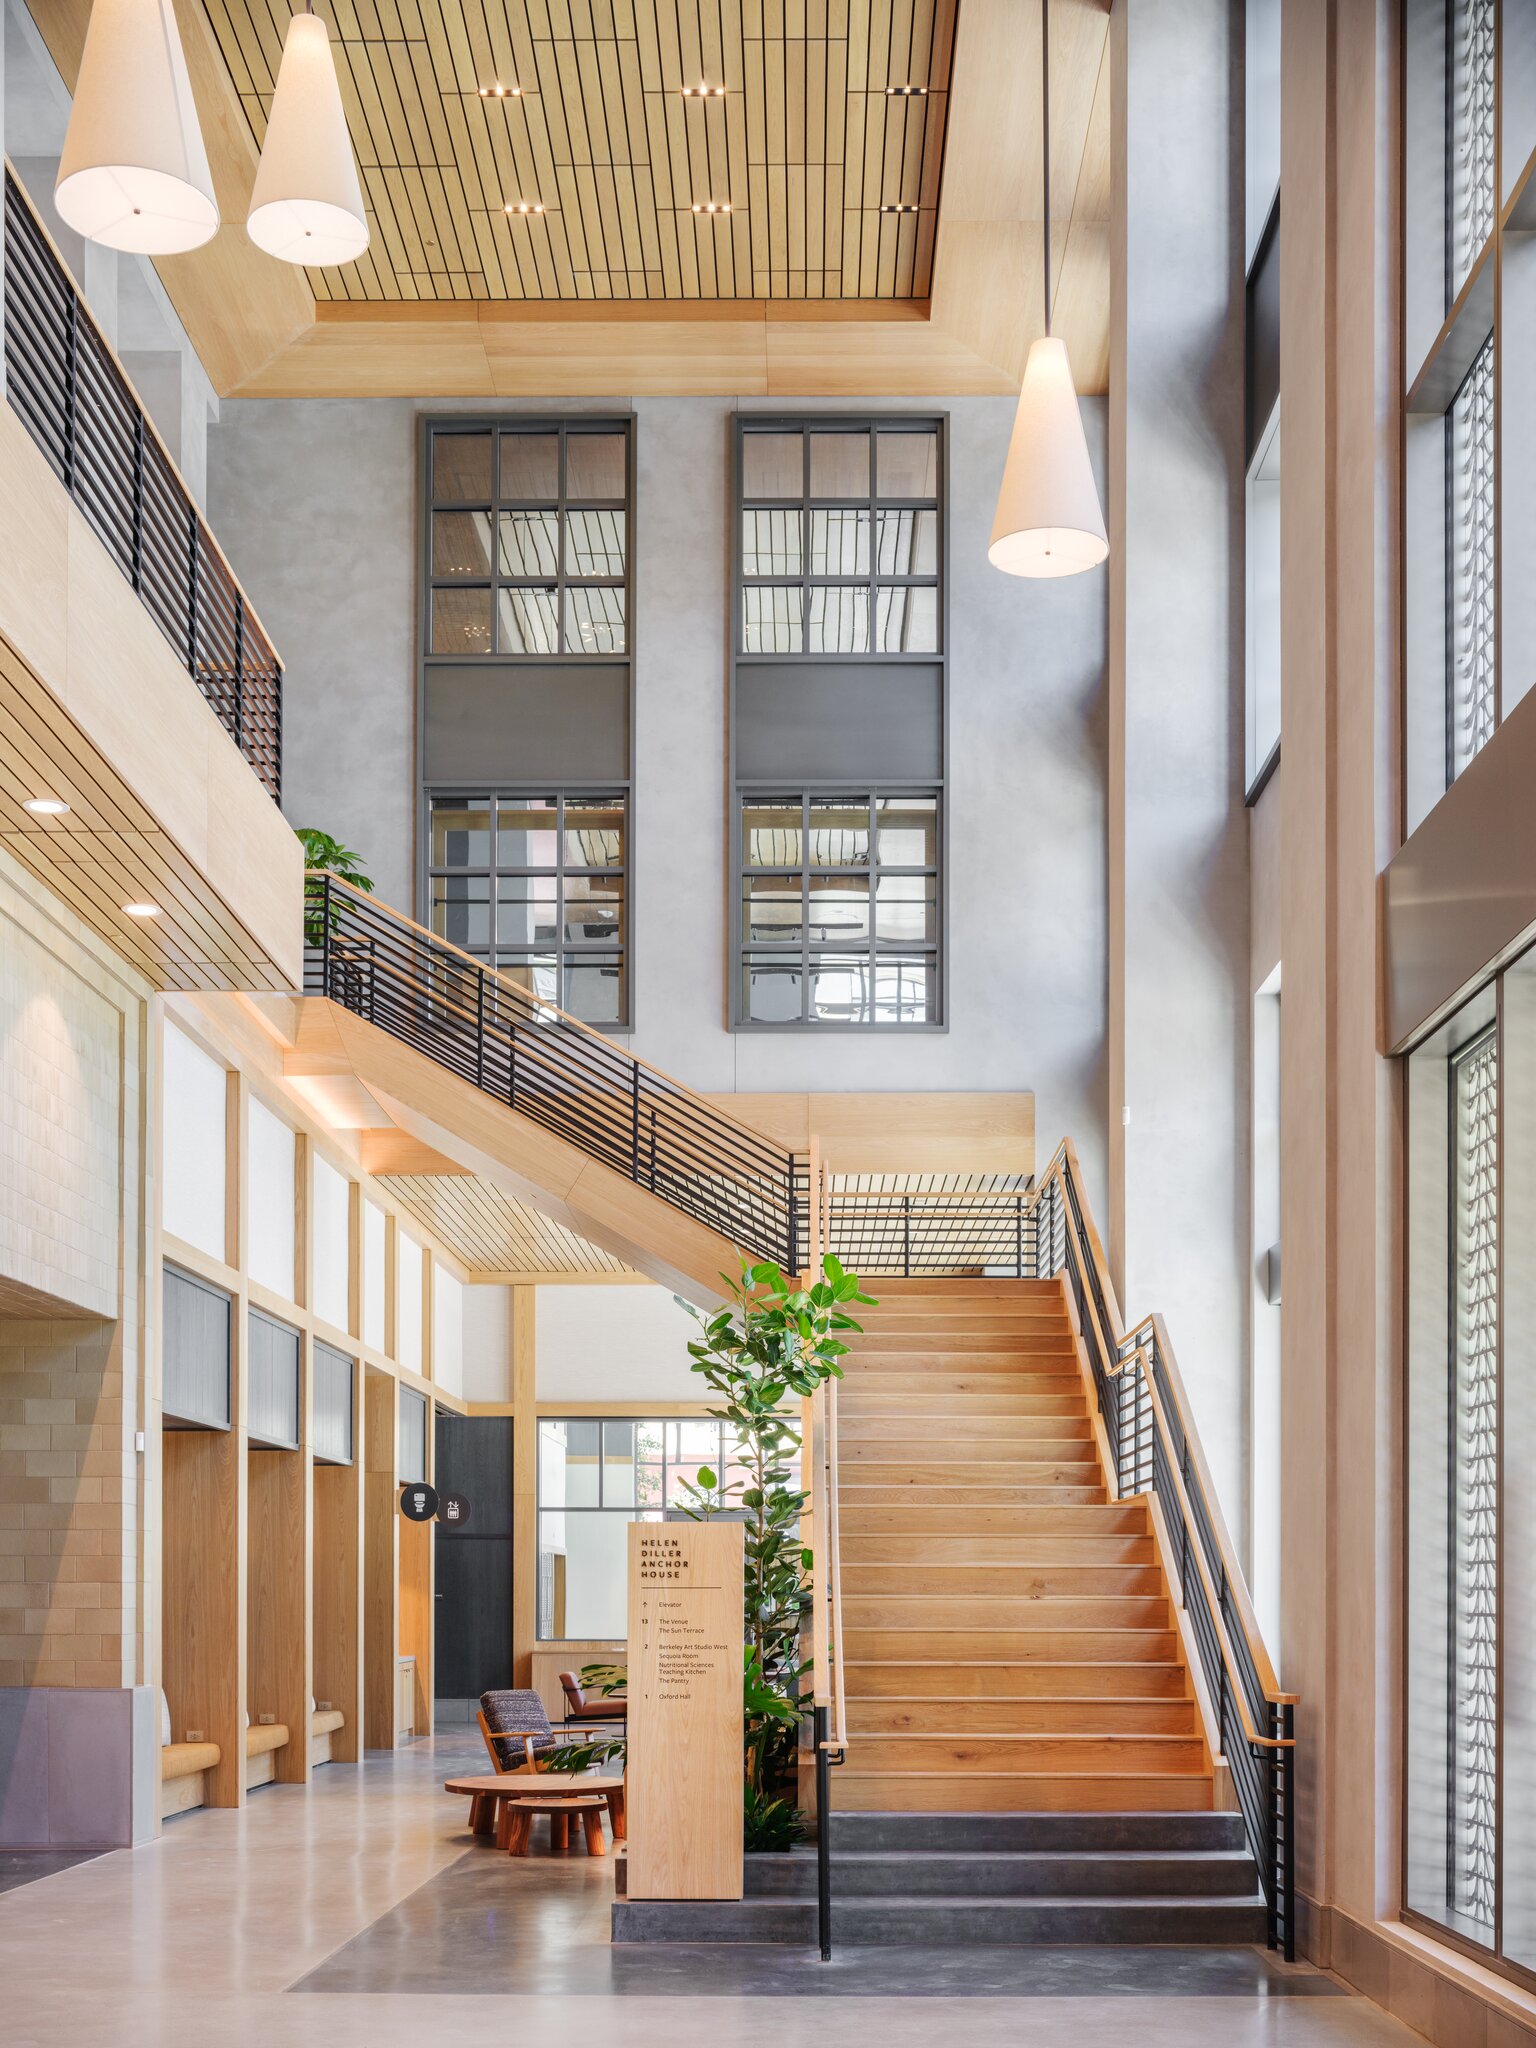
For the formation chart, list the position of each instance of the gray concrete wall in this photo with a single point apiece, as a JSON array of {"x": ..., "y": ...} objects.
[
  {"x": 1178, "y": 920},
  {"x": 315, "y": 503}
]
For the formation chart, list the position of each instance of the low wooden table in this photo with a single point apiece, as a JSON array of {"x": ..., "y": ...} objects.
[{"x": 505, "y": 1803}]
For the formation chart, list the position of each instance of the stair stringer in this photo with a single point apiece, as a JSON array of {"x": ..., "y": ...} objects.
[{"x": 511, "y": 1151}]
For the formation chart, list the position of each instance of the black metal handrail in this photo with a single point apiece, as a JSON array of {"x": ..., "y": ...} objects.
[
  {"x": 1152, "y": 1450},
  {"x": 557, "y": 1071},
  {"x": 69, "y": 391}
]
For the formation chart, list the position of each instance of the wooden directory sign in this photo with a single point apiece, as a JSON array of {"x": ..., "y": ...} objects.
[{"x": 684, "y": 1781}]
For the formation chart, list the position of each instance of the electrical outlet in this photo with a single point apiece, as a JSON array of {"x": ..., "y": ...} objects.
[
  {"x": 196, "y": 1735},
  {"x": 266, "y": 1720}
]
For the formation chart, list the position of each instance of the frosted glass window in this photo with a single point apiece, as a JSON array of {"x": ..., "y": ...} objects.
[
  {"x": 408, "y": 1304},
  {"x": 447, "y": 1331},
  {"x": 333, "y": 1261},
  {"x": 192, "y": 1176},
  {"x": 269, "y": 1200},
  {"x": 373, "y": 1276}
]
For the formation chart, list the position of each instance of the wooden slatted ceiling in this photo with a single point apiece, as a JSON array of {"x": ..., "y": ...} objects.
[
  {"x": 109, "y": 850},
  {"x": 489, "y": 1232},
  {"x": 807, "y": 145}
]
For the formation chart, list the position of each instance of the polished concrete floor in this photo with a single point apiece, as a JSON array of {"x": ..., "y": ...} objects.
[{"x": 364, "y": 1913}]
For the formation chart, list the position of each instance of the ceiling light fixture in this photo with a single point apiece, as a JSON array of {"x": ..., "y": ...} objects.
[
  {"x": 307, "y": 202},
  {"x": 141, "y": 909},
  {"x": 711, "y": 206},
  {"x": 902, "y": 206},
  {"x": 46, "y": 806},
  {"x": 906, "y": 92},
  {"x": 701, "y": 91},
  {"x": 134, "y": 173},
  {"x": 1049, "y": 521},
  {"x": 498, "y": 91},
  {"x": 515, "y": 206}
]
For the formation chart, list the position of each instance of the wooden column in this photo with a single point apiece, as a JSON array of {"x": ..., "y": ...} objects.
[
  {"x": 525, "y": 1485},
  {"x": 337, "y": 1495},
  {"x": 381, "y": 1558}
]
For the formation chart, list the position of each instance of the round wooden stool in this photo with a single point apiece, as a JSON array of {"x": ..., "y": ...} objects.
[
  {"x": 490, "y": 1796},
  {"x": 514, "y": 1822}
]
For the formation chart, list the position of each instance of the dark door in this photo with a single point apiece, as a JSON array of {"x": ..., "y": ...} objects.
[{"x": 474, "y": 1560}]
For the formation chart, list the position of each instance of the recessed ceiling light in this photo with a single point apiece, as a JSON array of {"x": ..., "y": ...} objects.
[
  {"x": 904, "y": 206},
  {"x": 906, "y": 92},
  {"x": 523, "y": 206},
  {"x": 46, "y": 806},
  {"x": 498, "y": 91},
  {"x": 141, "y": 909},
  {"x": 701, "y": 91},
  {"x": 711, "y": 206}
]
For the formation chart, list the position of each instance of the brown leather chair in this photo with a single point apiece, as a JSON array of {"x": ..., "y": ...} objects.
[{"x": 582, "y": 1712}]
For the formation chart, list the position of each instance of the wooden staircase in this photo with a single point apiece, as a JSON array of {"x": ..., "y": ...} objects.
[{"x": 1009, "y": 1636}]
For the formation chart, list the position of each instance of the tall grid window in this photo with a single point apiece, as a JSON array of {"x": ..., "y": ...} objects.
[
  {"x": 595, "y": 1478},
  {"x": 839, "y": 908},
  {"x": 533, "y": 882},
  {"x": 529, "y": 545},
  {"x": 839, "y": 541}
]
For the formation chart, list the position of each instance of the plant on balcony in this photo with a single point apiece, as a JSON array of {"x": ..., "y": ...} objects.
[
  {"x": 772, "y": 1340},
  {"x": 324, "y": 855}
]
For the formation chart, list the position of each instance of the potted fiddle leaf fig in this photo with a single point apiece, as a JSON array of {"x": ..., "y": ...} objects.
[
  {"x": 324, "y": 855},
  {"x": 770, "y": 1342}
]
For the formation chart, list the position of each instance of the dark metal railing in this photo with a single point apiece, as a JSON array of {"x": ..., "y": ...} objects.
[
  {"x": 68, "y": 389},
  {"x": 1152, "y": 1450},
  {"x": 929, "y": 1234},
  {"x": 557, "y": 1071}
]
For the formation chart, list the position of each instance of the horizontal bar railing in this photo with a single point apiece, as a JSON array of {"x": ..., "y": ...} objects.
[
  {"x": 70, "y": 392},
  {"x": 1153, "y": 1449},
  {"x": 557, "y": 1071},
  {"x": 935, "y": 1232}
]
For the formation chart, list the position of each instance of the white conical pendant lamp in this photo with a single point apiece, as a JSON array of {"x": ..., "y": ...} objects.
[
  {"x": 307, "y": 203},
  {"x": 134, "y": 174},
  {"x": 1049, "y": 521}
]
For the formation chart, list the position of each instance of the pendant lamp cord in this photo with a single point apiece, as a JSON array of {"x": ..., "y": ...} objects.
[{"x": 1045, "y": 130}]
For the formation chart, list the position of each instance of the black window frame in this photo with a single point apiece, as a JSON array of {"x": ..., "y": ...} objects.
[
  {"x": 561, "y": 949},
  {"x": 508, "y": 426},
  {"x": 863, "y": 666}
]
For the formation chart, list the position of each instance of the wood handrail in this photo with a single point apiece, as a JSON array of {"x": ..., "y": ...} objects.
[
  {"x": 1140, "y": 1360},
  {"x": 1064, "y": 1166},
  {"x": 398, "y": 917},
  {"x": 819, "y": 1431}
]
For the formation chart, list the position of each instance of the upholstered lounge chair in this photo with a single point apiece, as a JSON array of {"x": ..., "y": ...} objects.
[{"x": 516, "y": 1729}]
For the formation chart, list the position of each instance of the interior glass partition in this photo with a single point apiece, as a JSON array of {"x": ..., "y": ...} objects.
[{"x": 596, "y": 1476}]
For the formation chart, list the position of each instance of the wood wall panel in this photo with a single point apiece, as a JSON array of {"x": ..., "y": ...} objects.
[
  {"x": 381, "y": 1527},
  {"x": 203, "y": 1597},
  {"x": 278, "y": 1563},
  {"x": 338, "y": 1600}
]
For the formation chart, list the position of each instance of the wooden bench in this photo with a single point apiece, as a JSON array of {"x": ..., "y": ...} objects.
[
  {"x": 183, "y": 1775},
  {"x": 324, "y": 1722},
  {"x": 261, "y": 1745}
]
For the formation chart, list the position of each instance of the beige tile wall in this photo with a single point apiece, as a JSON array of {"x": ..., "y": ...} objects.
[
  {"x": 77, "y": 1546},
  {"x": 66, "y": 1497}
]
